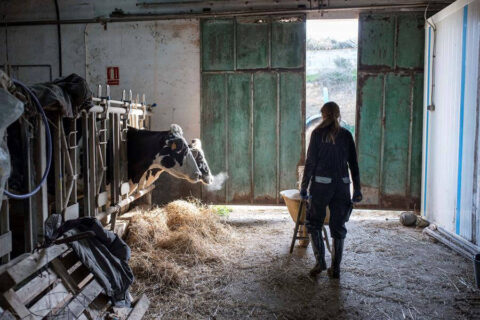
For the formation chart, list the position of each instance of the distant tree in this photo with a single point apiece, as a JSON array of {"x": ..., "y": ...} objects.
[
  {"x": 330, "y": 44},
  {"x": 343, "y": 63}
]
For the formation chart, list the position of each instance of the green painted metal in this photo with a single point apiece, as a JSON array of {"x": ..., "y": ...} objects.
[
  {"x": 377, "y": 39},
  {"x": 369, "y": 135},
  {"x": 253, "y": 115},
  {"x": 239, "y": 138},
  {"x": 217, "y": 44},
  {"x": 288, "y": 43},
  {"x": 252, "y": 43},
  {"x": 292, "y": 117},
  {"x": 410, "y": 42},
  {"x": 389, "y": 106},
  {"x": 417, "y": 136},
  {"x": 265, "y": 137},
  {"x": 214, "y": 97},
  {"x": 396, "y": 146}
]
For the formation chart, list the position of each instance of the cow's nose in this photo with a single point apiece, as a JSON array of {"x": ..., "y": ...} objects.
[{"x": 209, "y": 180}]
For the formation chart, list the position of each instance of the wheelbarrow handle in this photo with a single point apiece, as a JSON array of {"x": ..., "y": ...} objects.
[{"x": 297, "y": 224}]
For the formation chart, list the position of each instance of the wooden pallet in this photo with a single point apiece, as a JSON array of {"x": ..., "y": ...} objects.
[{"x": 54, "y": 283}]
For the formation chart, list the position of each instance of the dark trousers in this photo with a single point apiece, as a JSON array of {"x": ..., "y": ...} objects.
[{"x": 335, "y": 195}]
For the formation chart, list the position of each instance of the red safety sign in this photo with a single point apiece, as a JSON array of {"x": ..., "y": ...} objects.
[{"x": 113, "y": 76}]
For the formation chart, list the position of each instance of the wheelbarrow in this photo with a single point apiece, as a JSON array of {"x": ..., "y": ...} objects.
[{"x": 297, "y": 209}]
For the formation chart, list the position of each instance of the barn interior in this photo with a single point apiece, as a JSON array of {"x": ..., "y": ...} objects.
[{"x": 152, "y": 153}]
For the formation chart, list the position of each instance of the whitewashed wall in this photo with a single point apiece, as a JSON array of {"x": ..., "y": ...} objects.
[
  {"x": 158, "y": 58},
  {"x": 450, "y": 131},
  {"x": 162, "y": 60}
]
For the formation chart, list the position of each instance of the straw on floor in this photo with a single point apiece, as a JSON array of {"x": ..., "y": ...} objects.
[{"x": 167, "y": 242}]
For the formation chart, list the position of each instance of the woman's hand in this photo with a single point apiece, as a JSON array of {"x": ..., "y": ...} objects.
[
  {"x": 357, "y": 196},
  {"x": 304, "y": 194}
]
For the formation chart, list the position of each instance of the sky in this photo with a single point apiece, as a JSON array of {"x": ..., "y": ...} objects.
[{"x": 345, "y": 29}]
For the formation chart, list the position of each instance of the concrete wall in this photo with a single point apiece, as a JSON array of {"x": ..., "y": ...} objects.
[{"x": 158, "y": 58}]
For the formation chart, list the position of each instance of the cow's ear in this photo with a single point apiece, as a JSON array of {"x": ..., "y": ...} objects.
[
  {"x": 176, "y": 130},
  {"x": 173, "y": 146}
]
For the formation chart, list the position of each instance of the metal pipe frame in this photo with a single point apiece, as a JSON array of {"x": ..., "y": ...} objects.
[
  {"x": 109, "y": 119},
  {"x": 118, "y": 102},
  {"x": 441, "y": 238},
  {"x": 28, "y": 218},
  {"x": 118, "y": 110},
  {"x": 85, "y": 164},
  {"x": 126, "y": 17},
  {"x": 92, "y": 163},
  {"x": 99, "y": 124}
]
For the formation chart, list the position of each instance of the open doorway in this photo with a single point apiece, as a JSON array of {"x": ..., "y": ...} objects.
[{"x": 331, "y": 70}]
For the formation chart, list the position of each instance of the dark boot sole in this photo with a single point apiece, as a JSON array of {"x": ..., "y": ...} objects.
[
  {"x": 316, "y": 271},
  {"x": 332, "y": 274}
]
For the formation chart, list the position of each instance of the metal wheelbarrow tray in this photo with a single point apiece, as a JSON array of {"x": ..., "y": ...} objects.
[{"x": 292, "y": 200}]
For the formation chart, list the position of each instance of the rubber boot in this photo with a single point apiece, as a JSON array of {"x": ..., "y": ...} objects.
[
  {"x": 337, "y": 252},
  {"x": 319, "y": 251}
]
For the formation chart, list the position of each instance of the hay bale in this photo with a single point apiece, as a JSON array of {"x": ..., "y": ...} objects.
[
  {"x": 147, "y": 229},
  {"x": 156, "y": 268},
  {"x": 167, "y": 241},
  {"x": 201, "y": 220}
]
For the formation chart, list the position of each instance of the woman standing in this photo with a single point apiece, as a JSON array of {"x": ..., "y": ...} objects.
[{"x": 330, "y": 154}]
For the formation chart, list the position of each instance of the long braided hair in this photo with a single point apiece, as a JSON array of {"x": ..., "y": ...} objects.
[{"x": 331, "y": 115}]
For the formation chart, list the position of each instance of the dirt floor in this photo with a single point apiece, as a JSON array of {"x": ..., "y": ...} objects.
[{"x": 389, "y": 272}]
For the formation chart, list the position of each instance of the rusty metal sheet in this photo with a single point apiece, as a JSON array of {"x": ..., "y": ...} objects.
[
  {"x": 217, "y": 44},
  {"x": 417, "y": 136},
  {"x": 396, "y": 135},
  {"x": 410, "y": 41},
  {"x": 292, "y": 115},
  {"x": 369, "y": 135},
  {"x": 239, "y": 153},
  {"x": 252, "y": 43},
  {"x": 252, "y": 117},
  {"x": 288, "y": 42},
  {"x": 214, "y": 106},
  {"x": 265, "y": 137},
  {"x": 377, "y": 41},
  {"x": 389, "y": 109}
]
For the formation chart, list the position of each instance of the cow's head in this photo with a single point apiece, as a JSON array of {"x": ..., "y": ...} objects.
[
  {"x": 176, "y": 158},
  {"x": 197, "y": 151}
]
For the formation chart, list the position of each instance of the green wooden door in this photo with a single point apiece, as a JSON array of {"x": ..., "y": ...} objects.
[
  {"x": 389, "y": 109},
  {"x": 253, "y": 105}
]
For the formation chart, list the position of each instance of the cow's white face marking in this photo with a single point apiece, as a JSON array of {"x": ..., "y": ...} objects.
[
  {"x": 176, "y": 158},
  {"x": 199, "y": 156}
]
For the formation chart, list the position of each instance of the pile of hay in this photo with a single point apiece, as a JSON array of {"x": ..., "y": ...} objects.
[{"x": 167, "y": 242}]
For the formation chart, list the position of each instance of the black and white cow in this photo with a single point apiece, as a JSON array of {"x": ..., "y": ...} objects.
[{"x": 164, "y": 150}]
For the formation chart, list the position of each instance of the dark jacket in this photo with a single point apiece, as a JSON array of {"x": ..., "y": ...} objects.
[
  {"x": 106, "y": 255},
  {"x": 332, "y": 160}
]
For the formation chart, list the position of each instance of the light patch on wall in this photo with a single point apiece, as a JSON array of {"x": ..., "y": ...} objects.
[{"x": 160, "y": 59}]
